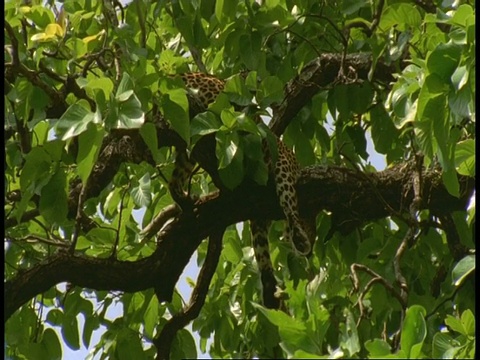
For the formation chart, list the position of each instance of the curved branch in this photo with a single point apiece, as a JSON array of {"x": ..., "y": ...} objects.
[
  {"x": 318, "y": 75},
  {"x": 163, "y": 341}
]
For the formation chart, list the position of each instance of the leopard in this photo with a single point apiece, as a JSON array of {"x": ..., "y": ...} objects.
[{"x": 300, "y": 232}]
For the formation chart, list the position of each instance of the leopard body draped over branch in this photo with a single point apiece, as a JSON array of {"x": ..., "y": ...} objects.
[{"x": 300, "y": 232}]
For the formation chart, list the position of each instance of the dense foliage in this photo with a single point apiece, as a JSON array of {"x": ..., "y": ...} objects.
[{"x": 79, "y": 75}]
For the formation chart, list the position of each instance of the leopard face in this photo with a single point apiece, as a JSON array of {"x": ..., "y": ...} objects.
[{"x": 205, "y": 87}]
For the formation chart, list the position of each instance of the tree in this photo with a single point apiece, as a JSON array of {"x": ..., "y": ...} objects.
[{"x": 91, "y": 121}]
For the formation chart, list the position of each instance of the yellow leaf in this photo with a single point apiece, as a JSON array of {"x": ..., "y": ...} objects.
[
  {"x": 54, "y": 30},
  {"x": 87, "y": 39},
  {"x": 39, "y": 37},
  {"x": 25, "y": 9}
]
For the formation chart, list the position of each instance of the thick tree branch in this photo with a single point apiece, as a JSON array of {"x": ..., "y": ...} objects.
[
  {"x": 318, "y": 75},
  {"x": 346, "y": 193}
]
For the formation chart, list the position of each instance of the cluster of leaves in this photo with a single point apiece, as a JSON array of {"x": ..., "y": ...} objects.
[{"x": 105, "y": 68}]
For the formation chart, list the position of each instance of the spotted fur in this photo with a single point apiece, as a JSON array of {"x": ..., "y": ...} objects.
[{"x": 300, "y": 232}]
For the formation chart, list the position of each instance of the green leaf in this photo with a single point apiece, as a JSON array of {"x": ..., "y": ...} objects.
[
  {"x": 232, "y": 249},
  {"x": 126, "y": 86},
  {"x": 461, "y": 15},
  {"x": 55, "y": 317},
  {"x": 230, "y": 158},
  {"x": 40, "y": 15},
  {"x": 70, "y": 332},
  {"x": 89, "y": 143},
  {"x": 468, "y": 322},
  {"x": 360, "y": 97},
  {"x": 270, "y": 91},
  {"x": 349, "y": 335},
  {"x": 226, "y": 147},
  {"x": 450, "y": 180},
  {"x": 431, "y": 114},
  {"x": 204, "y": 123},
  {"x": 229, "y": 118},
  {"x": 225, "y": 10},
  {"x": 36, "y": 171},
  {"x": 403, "y": 16},
  {"x": 414, "y": 331},
  {"x": 455, "y": 324},
  {"x": 237, "y": 91},
  {"x": 250, "y": 48},
  {"x": 53, "y": 204},
  {"x": 256, "y": 167},
  {"x": 384, "y": 132},
  {"x": 377, "y": 348},
  {"x": 130, "y": 113},
  {"x": 142, "y": 194},
  {"x": 75, "y": 120},
  {"x": 175, "y": 107},
  {"x": 91, "y": 323},
  {"x": 183, "y": 346},
  {"x": 465, "y": 157},
  {"x": 148, "y": 131},
  {"x": 104, "y": 85},
  {"x": 151, "y": 316},
  {"x": 300, "y": 354},
  {"x": 283, "y": 321},
  {"x": 443, "y": 61},
  {"x": 442, "y": 345},
  {"x": 460, "y": 77},
  {"x": 293, "y": 332},
  {"x": 128, "y": 345},
  {"x": 462, "y": 269},
  {"x": 52, "y": 344}
]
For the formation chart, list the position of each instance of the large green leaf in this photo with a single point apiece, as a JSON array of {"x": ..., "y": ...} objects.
[
  {"x": 149, "y": 135},
  {"x": 52, "y": 344},
  {"x": 465, "y": 157},
  {"x": 89, "y": 143},
  {"x": 204, "y": 123},
  {"x": 349, "y": 336},
  {"x": 53, "y": 200},
  {"x": 175, "y": 107},
  {"x": 184, "y": 346},
  {"x": 444, "y": 346},
  {"x": 227, "y": 147},
  {"x": 75, "y": 120},
  {"x": 384, "y": 132},
  {"x": 377, "y": 348},
  {"x": 443, "y": 60},
  {"x": 231, "y": 159},
  {"x": 142, "y": 194},
  {"x": 151, "y": 316},
  {"x": 70, "y": 332},
  {"x": 462, "y": 269},
  {"x": 414, "y": 331}
]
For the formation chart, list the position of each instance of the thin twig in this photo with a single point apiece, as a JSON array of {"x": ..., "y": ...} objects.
[
  {"x": 78, "y": 218},
  {"x": 117, "y": 231},
  {"x": 35, "y": 238}
]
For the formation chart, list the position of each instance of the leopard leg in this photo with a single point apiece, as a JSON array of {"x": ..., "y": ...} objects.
[
  {"x": 262, "y": 256},
  {"x": 180, "y": 178}
]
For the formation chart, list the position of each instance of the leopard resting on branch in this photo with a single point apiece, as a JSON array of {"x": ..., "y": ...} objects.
[{"x": 285, "y": 171}]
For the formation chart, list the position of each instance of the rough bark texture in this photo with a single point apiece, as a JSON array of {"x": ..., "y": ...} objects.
[{"x": 352, "y": 197}]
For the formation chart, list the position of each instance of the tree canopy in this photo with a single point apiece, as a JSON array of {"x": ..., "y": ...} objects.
[{"x": 92, "y": 119}]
